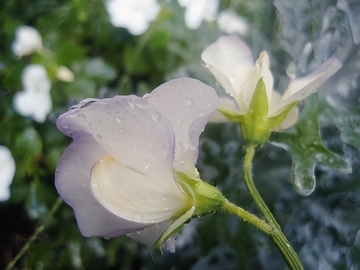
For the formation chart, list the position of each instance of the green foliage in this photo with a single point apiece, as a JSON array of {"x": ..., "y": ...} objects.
[{"x": 304, "y": 144}]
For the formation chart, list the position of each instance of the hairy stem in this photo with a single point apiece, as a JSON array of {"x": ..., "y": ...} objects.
[{"x": 277, "y": 236}]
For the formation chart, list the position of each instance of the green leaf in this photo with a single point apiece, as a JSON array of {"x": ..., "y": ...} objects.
[{"x": 304, "y": 144}]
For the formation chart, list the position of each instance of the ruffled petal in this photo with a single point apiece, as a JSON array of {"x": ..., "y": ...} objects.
[
  {"x": 72, "y": 180},
  {"x": 188, "y": 104},
  {"x": 261, "y": 70},
  {"x": 132, "y": 131},
  {"x": 150, "y": 235},
  {"x": 301, "y": 88},
  {"x": 134, "y": 196},
  {"x": 290, "y": 119},
  {"x": 229, "y": 60}
]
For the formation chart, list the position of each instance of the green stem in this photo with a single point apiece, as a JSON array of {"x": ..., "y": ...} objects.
[
  {"x": 277, "y": 235},
  {"x": 246, "y": 216},
  {"x": 35, "y": 235}
]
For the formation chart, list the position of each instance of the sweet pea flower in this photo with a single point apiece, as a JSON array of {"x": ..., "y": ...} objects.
[
  {"x": 199, "y": 10},
  {"x": 134, "y": 15},
  {"x": 35, "y": 100},
  {"x": 130, "y": 169},
  {"x": 230, "y": 60},
  {"x": 7, "y": 171},
  {"x": 27, "y": 41}
]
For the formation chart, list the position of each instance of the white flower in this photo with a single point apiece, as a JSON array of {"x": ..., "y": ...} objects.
[
  {"x": 119, "y": 172},
  {"x": 27, "y": 41},
  {"x": 34, "y": 100},
  {"x": 134, "y": 15},
  {"x": 7, "y": 171},
  {"x": 231, "y": 62},
  {"x": 199, "y": 10},
  {"x": 231, "y": 23}
]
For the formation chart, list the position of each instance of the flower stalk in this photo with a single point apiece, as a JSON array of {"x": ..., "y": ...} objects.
[{"x": 276, "y": 235}]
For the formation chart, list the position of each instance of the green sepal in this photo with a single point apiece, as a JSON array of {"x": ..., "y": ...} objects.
[
  {"x": 275, "y": 121},
  {"x": 231, "y": 115},
  {"x": 174, "y": 228},
  {"x": 206, "y": 198},
  {"x": 255, "y": 126}
]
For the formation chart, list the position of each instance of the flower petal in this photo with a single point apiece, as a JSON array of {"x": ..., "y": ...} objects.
[
  {"x": 229, "y": 60},
  {"x": 261, "y": 70},
  {"x": 134, "y": 196},
  {"x": 290, "y": 119},
  {"x": 301, "y": 88},
  {"x": 150, "y": 235},
  {"x": 132, "y": 131},
  {"x": 72, "y": 180},
  {"x": 188, "y": 104}
]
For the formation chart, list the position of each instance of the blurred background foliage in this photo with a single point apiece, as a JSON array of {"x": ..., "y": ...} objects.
[{"x": 321, "y": 219}]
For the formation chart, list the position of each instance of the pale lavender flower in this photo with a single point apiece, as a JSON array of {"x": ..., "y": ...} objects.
[{"x": 118, "y": 174}]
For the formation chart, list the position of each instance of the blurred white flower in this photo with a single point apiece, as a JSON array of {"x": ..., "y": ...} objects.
[
  {"x": 7, "y": 171},
  {"x": 65, "y": 74},
  {"x": 134, "y": 15},
  {"x": 34, "y": 100},
  {"x": 231, "y": 23},
  {"x": 199, "y": 10},
  {"x": 27, "y": 40}
]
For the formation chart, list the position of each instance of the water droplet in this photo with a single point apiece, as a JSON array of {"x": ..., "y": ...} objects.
[
  {"x": 142, "y": 200},
  {"x": 166, "y": 209},
  {"x": 139, "y": 231},
  {"x": 131, "y": 105},
  {"x": 189, "y": 102},
  {"x": 164, "y": 198},
  {"x": 118, "y": 119},
  {"x": 94, "y": 185},
  {"x": 179, "y": 120},
  {"x": 182, "y": 162},
  {"x": 98, "y": 136},
  {"x": 120, "y": 130},
  {"x": 82, "y": 115},
  {"x": 151, "y": 143},
  {"x": 137, "y": 217},
  {"x": 156, "y": 117},
  {"x": 106, "y": 237}
]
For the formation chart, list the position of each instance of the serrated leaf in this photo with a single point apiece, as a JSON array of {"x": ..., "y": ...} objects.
[{"x": 304, "y": 144}]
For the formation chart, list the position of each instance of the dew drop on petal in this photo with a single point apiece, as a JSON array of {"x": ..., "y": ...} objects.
[
  {"x": 189, "y": 102},
  {"x": 139, "y": 231},
  {"x": 156, "y": 117},
  {"x": 94, "y": 185},
  {"x": 118, "y": 119},
  {"x": 137, "y": 217},
  {"x": 98, "y": 136},
  {"x": 82, "y": 115}
]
